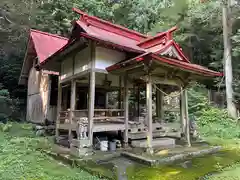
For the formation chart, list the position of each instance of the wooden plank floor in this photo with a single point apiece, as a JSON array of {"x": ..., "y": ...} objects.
[{"x": 97, "y": 127}]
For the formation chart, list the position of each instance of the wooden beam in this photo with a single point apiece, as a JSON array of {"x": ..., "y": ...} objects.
[
  {"x": 149, "y": 114},
  {"x": 82, "y": 74},
  {"x": 91, "y": 95},
  {"x": 126, "y": 109},
  {"x": 163, "y": 80},
  {"x": 75, "y": 76},
  {"x": 59, "y": 105},
  {"x": 72, "y": 107}
]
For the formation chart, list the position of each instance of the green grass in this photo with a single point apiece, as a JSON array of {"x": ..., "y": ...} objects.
[{"x": 20, "y": 158}]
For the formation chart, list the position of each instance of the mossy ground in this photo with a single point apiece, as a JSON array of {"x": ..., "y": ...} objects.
[
  {"x": 20, "y": 158},
  {"x": 198, "y": 168},
  {"x": 207, "y": 167}
]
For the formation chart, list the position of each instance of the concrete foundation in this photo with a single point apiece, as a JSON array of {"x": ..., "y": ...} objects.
[{"x": 161, "y": 142}]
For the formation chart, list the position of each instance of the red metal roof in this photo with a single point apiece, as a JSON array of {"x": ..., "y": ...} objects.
[
  {"x": 109, "y": 36},
  {"x": 187, "y": 66},
  {"x": 46, "y": 44},
  {"x": 155, "y": 40},
  {"x": 168, "y": 61},
  {"x": 108, "y": 33},
  {"x": 110, "y": 27},
  {"x": 102, "y": 30}
]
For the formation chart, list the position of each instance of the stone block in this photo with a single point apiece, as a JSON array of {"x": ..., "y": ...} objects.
[
  {"x": 78, "y": 152},
  {"x": 160, "y": 142},
  {"x": 81, "y": 143}
]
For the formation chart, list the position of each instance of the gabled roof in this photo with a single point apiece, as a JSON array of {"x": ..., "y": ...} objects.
[
  {"x": 109, "y": 36},
  {"x": 109, "y": 32},
  {"x": 108, "y": 26},
  {"x": 41, "y": 45},
  {"x": 161, "y": 47},
  {"x": 129, "y": 40},
  {"x": 46, "y": 44},
  {"x": 155, "y": 40}
]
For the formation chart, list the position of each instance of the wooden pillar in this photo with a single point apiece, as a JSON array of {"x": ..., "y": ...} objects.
[
  {"x": 106, "y": 99},
  {"x": 49, "y": 96},
  {"x": 91, "y": 94},
  {"x": 106, "y": 93},
  {"x": 72, "y": 108},
  {"x": 149, "y": 114},
  {"x": 126, "y": 109},
  {"x": 138, "y": 101},
  {"x": 159, "y": 104},
  {"x": 120, "y": 93},
  {"x": 187, "y": 130},
  {"x": 182, "y": 111},
  {"x": 59, "y": 103},
  {"x": 91, "y": 101},
  {"x": 184, "y": 117}
]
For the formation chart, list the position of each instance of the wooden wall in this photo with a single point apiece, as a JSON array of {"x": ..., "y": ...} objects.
[
  {"x": 107, "y": 57},
  {"x": 34, "y": 99},
  {"x": 82, "y": 60},
  {"x": 38, "y": 107},
  {"x": 75, "y": 63}
]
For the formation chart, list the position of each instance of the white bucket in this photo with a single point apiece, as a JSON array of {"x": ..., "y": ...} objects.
[{"x": 104, "y": 146}]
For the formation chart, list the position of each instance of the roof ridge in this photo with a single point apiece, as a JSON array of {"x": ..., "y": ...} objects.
[
  {"x": 158, "y": 35},
  {"x": 110, "y": 23},
  {"x": 48, "y": 34}
]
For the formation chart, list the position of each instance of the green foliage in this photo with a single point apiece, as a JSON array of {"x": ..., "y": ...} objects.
[
  {"x": 197, "y": 99},
  {"x": 5, "y": 127},
  {"x": 6, "y": 105},
  {"x": 215, "y": 122},
  {"x": 212, "y": 121}
]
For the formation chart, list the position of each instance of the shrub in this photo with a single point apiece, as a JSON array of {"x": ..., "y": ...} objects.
[
  {"x": 214, "y": 122},
  {"x": 9, "y": 106}
]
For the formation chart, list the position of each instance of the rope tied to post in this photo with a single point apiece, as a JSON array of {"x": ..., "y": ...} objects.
[{"x": 169, "y": 95}]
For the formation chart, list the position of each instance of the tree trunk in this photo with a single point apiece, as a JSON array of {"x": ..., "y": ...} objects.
[{"x": 228, "y": 60}]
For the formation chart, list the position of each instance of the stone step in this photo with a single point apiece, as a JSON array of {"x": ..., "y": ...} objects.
[
  {"x": 156, "y": 134},
  {"x": 80, "y": 143},
  {"x": 79, "y": 152},
  {"x": 160, "y": 142}
]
